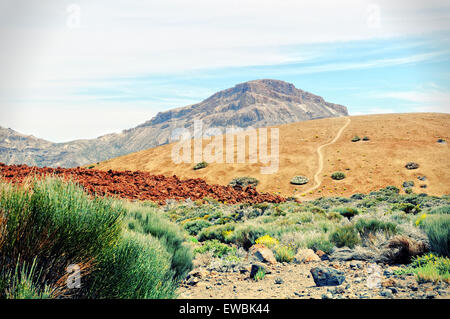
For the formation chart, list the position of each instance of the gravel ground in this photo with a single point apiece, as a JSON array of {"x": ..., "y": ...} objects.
[{"x": 290, "y": 281}]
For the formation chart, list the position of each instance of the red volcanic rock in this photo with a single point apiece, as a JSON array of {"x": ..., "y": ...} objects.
[{"x": 139, "y": 185}]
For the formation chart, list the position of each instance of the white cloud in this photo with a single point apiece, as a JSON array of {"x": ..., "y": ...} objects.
[
  {"x": 44, "y": 60},
  {"x": 426, "y": 99}
]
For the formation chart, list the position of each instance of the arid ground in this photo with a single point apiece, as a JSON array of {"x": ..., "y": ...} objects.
[{"x": 394, "y": 140}]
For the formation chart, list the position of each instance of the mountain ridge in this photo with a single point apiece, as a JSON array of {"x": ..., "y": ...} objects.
[{"x": 256, "y": 103}]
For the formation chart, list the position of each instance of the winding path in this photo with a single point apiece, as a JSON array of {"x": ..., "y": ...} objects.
[{"x": 317, "y": 181}]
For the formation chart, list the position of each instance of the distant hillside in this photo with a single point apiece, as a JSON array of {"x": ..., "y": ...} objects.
[
  {"x": 393, "y": 140},
  {"x": 256, "y": 103}
]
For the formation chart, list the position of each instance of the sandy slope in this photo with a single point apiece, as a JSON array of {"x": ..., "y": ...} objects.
[{"x": 395, "y": 139}]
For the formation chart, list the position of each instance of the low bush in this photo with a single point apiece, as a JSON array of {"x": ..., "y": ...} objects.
[
  {"x": 348, "y": 212},
  {"x": 146, "y": 221},
  {"x": 338, "y": 176},
  {"x": 245, "y": 236},
  {"x": 371, "y": 226},
  {"x": 407, "y": 208},
  {"x": 429, "y": 268},
  {"x": 299, "y": 180},
  {"x": 195, "y": 226},
  {"x": 244, "y": 182},
  {"x": 320, "y": 243},
  {"x": 215, "y": 232},
  {"x": 437, "y": 228},
  {"x": 345, "y": 236},
  {"x": 356, "y": 138},
  {"x": 138, "y": 266},
  {"x": 440, "y": 210},
  {"x": 200, "y": 165},
  {"x": 267, "y": 241},
  {"x": 284, "y": 253},
  {"x": 217, "y": 248}
]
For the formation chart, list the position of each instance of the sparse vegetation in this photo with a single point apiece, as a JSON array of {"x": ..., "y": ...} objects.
[
  {"x": 356, "y": 138},
  {"x": 437, "y": 228},
  {"x": 299, "y": 180},
  {"x": 200, "y": 165},
  {"x": 338, "y": 176},
  {"x": 345, "y": 236},
  {"x": 244, "y": 182},
  {"x": 412, "y": 165}
]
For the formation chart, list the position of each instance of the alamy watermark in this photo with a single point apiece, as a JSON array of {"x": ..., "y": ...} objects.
[
  {"x": 227, "y": 145},
  {"x": 74, "y": 278}
]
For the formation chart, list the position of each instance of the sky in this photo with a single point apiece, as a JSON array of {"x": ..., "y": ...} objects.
[{"x": 82, "y": 69}]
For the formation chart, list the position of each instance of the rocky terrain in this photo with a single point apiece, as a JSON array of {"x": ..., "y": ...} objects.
[
  {"x": 139, "y": 185},
  {"x": 256, "y": 103},
  {"x": 311, "y": 278}
]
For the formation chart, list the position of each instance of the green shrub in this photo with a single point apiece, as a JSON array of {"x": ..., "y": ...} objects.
[
  {"x": 338, "y": 176},
  {"x": 138, "y": 266},
  {"x": 23, "y": 283},
  {"x": 371, "y": 226},
  {"x": 441, "y": 210},
  {"x": 215, "y": 232},
  {"x": 53, "y": 224},
  {"x": 437, "y": 228},
  {"x": 260, "y": 274},
  {"x": 345, "y": 236},
  {"x": 146, "y": 221},
  {"x": 217, "y": 248},
  {"x": 244, "y": 182},
  {"x": 195, "y": 226},
  {"x": 284, "y": 253},
  {"x": 246, "y": 235},
  {"x": 407, "y": 208},
  {"x": 299, "y": 180},
  {"x": 348, "y": 212},
  {"x": 320, "y": 243},
  {"x": 356, "y": 138},
  {"x": 429, "y": 268},
  {"x": 334, "y": 216},
  {"x": 200, "y": 165},
  {"x": 366, "y": 138}
]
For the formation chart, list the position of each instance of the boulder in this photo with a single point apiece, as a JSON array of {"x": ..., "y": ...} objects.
[
  {"x": 325, "y": 276},
  {"x": 305, "y": 256},
  {"x": 263, "y": 254}
]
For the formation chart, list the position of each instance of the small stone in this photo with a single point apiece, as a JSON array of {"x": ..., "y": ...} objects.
[
  {"x": 262, "y": 253},
  {"x": 305, "y": 255},
  {"x": 192, "y": 281},
  {"x": 386, "y": 293},
  {"x": 325, "y": 276},
  {"x": 320, "y": 253},
  {"x": 327, "y": 296},
  {"x": 393, "y": 289},
  {"x": 279, "y": 281},
  {"x": 430, "y": 295},
  {"x": 387, "y": 273},
  {"x": 389, "y": 283}
]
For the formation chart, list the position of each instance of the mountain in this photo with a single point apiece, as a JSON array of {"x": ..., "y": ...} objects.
[{"x": 256, "y": 103}]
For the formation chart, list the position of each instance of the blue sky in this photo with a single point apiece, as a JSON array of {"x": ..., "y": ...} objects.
[{"x": 80, "y": 69}]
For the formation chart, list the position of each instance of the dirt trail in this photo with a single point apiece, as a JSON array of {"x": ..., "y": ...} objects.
[{"x": 317, "y": 180}]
